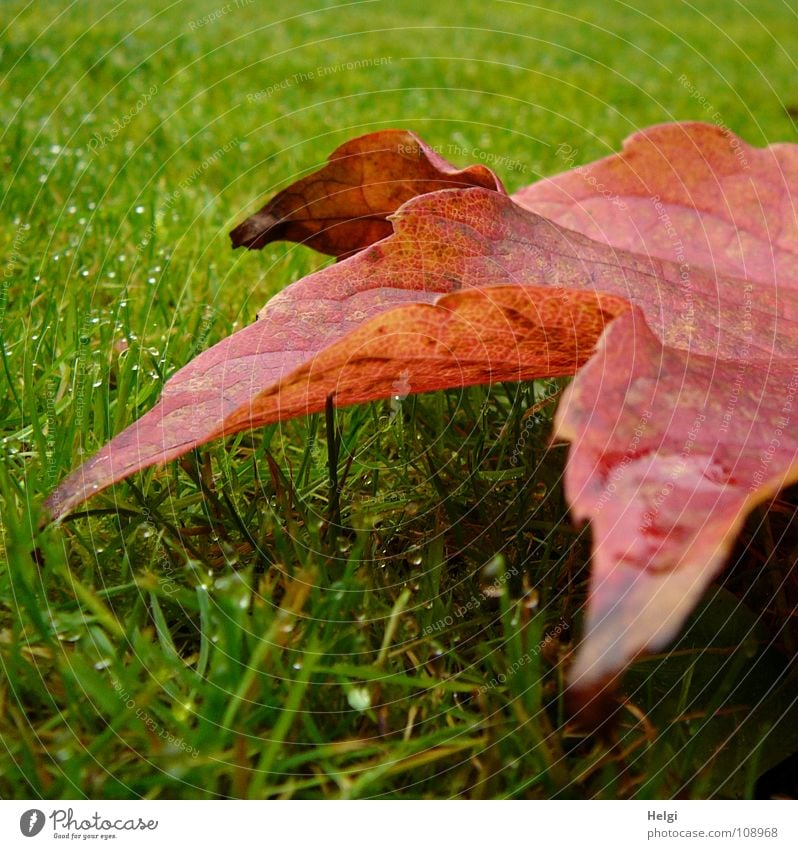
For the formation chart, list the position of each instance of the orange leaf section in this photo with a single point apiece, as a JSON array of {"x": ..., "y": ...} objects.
[
  {"x": 344, "y": 206},
  {"x": 465, "y": 338}
]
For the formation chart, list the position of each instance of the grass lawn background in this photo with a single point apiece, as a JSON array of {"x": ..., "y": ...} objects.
[{"x": 199, "y": 631}]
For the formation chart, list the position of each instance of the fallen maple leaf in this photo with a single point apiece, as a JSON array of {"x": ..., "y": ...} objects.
[{"x": 680, "y": 421}]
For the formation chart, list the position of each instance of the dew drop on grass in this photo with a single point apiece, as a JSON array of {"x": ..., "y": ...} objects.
[
  {"x": 493, "y": 566},
  {"x": 359, "y": 698},
  {"x": 139, "y": 210}
]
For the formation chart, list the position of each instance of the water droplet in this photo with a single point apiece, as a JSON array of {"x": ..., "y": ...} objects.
[
  {"x": 139, "y": 210},
  {"x": 493, "y": 566},
  {"x": 359, "y": 698}
]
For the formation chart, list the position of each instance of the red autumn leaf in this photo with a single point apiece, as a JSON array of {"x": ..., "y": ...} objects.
[
  {"x": 344, "y": 207},
  {"x": 680, "y": 422}
]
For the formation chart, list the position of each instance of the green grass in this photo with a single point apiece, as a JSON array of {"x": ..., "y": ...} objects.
[{"x": 201, "y": 631}]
